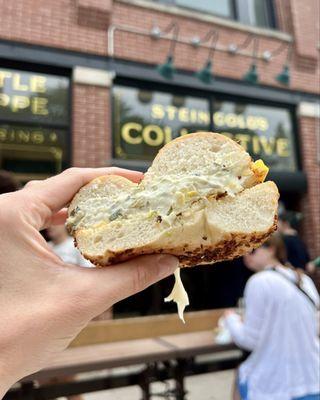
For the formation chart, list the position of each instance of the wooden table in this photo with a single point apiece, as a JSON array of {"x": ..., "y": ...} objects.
[{"x": 174, "y": 351}]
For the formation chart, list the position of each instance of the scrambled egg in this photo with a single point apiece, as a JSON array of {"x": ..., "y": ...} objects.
[{"x": 260, "y": 170}]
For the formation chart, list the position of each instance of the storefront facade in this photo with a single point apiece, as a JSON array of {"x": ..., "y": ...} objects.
[{"x": 79, "y": 87}]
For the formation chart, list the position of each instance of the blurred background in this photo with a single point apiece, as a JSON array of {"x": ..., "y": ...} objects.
[{"x": 93, "y": 83}]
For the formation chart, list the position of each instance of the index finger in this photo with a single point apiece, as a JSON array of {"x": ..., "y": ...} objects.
[{"x": 54, "y": 193}]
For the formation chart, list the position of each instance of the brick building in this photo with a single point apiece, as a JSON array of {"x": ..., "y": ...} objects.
[{"x": 79, "y": 85}]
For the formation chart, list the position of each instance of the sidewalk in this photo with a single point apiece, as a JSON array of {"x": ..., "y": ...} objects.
[{"x": 213, "y": 386}]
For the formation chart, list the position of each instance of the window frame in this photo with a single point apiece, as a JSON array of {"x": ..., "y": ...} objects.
[
  {"x": 231, "y": 17},
  {"x": 269, "y": 12},
  {"x": 235, "y": 7}
]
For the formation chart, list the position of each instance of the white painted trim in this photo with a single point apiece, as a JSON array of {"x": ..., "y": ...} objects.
[
  {"x": 92, "y": 76},
  {"x": 306, "y": 109},
  {"x": 194, "y": 14}
]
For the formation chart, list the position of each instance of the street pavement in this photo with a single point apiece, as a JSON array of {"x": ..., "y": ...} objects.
[{"x": 213, "y": 386}]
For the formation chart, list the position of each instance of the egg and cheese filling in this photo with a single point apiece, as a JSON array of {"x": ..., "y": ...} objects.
[{"x": 167, "y": 196}]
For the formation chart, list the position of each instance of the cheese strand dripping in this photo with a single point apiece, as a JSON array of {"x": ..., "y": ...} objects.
[{"x": 178, "y": 295}]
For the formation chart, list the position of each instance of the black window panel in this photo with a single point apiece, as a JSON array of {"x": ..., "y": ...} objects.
[
  {"x": 145, "y": 120},
  {"x": 34, "y": 122},
  {"x": 33, "y": 97},
  {"x": 264, "y": 131},
  {"x": 33, "y": 149}
]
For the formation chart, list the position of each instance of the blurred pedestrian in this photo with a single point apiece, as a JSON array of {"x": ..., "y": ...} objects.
[
  {"x": 297, "y": 252},
  {"x": 62, "y": 245},
  {"x": 8, "y": 182},
  {"x": 313, "y": 269},
  {"x": 279, "y": 328},
  {"x": 313, "y": 265}
]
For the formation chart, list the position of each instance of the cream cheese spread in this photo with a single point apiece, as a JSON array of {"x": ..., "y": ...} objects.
[{"x": 179, "y": 295}]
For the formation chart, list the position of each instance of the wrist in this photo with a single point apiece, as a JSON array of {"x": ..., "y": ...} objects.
[
  {"x": 4, "y": 387},
  {"x": 6, "y": 380}
]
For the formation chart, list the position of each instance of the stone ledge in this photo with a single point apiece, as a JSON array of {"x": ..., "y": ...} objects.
[
  {"x": 306, "y": 109},
  {"x": 213, "y": 19},
  {"x": 92, "y": 76}
]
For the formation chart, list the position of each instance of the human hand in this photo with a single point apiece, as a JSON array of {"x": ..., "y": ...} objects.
[{"x": 45, "y": 303}]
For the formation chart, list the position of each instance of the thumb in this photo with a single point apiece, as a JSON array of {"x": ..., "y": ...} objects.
[{"x": 112, "y": 284}]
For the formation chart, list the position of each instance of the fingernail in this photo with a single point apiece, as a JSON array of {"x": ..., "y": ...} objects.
[{"x": 167, "y": 264}]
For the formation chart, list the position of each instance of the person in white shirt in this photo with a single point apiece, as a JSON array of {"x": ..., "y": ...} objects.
[
  {"x": 63, "y": 246},
  {"x": 279, "y": 328}
]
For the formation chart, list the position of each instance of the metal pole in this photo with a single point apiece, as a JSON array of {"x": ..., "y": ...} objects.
[{"x": 225, "y": 49}]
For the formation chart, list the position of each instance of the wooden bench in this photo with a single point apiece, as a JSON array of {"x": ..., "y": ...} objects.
[{"x": 163, "y": 357}]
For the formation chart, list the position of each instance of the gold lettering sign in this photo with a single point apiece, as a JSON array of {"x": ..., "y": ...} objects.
[
  {"x": 127, "y": 131},
  {"x": 167, "y": 134},
  {"x": 19, "y": 83},
  {"x": 27, "y": 136},
  {"x": 157, "y": 111},
  {"x": 3, "y": 76},
  {"x": 30, "y": 96},
  {"x": 19, "y": 103},
  {"x": 4, "y": 100},
  {"x": 181, "y": 114},
  {"x": 141, "y": 129},
  {"x": 154, "y": 136},
  {"x": 32, "y": 106},
  {"x": 38, "y": 84},
  {"x": 39, "y": 106},
  {"x": 231, "y": 120},
  {"x": 283, "y": 147},
  {"x": 157, "y": 132}
]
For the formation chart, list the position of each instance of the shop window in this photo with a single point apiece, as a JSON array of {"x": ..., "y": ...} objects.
[
  {"x": 250, "y": 12},
  {"x": 145, "y": 120},
  {"x": 34, "y": 123},
  {"x": 264, "y": 131}
]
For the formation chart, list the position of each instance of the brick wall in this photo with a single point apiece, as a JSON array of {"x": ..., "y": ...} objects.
[
  {"x": 82, "y": 25},
  {"x": 311, "y": 202},
  {"x": 144, "y": 49},
  {"x": 50, "y": 23},
  {"x": 91, "y": 141}
]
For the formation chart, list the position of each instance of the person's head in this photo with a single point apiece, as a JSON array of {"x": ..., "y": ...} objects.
[
  {"x": 289, "y": 221},
  {"x": 273, "y": 251},
  {"x": 57, "y": 233},
  {"x": 284, "y": 223},
  {"x": 8, "y": 183}
]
